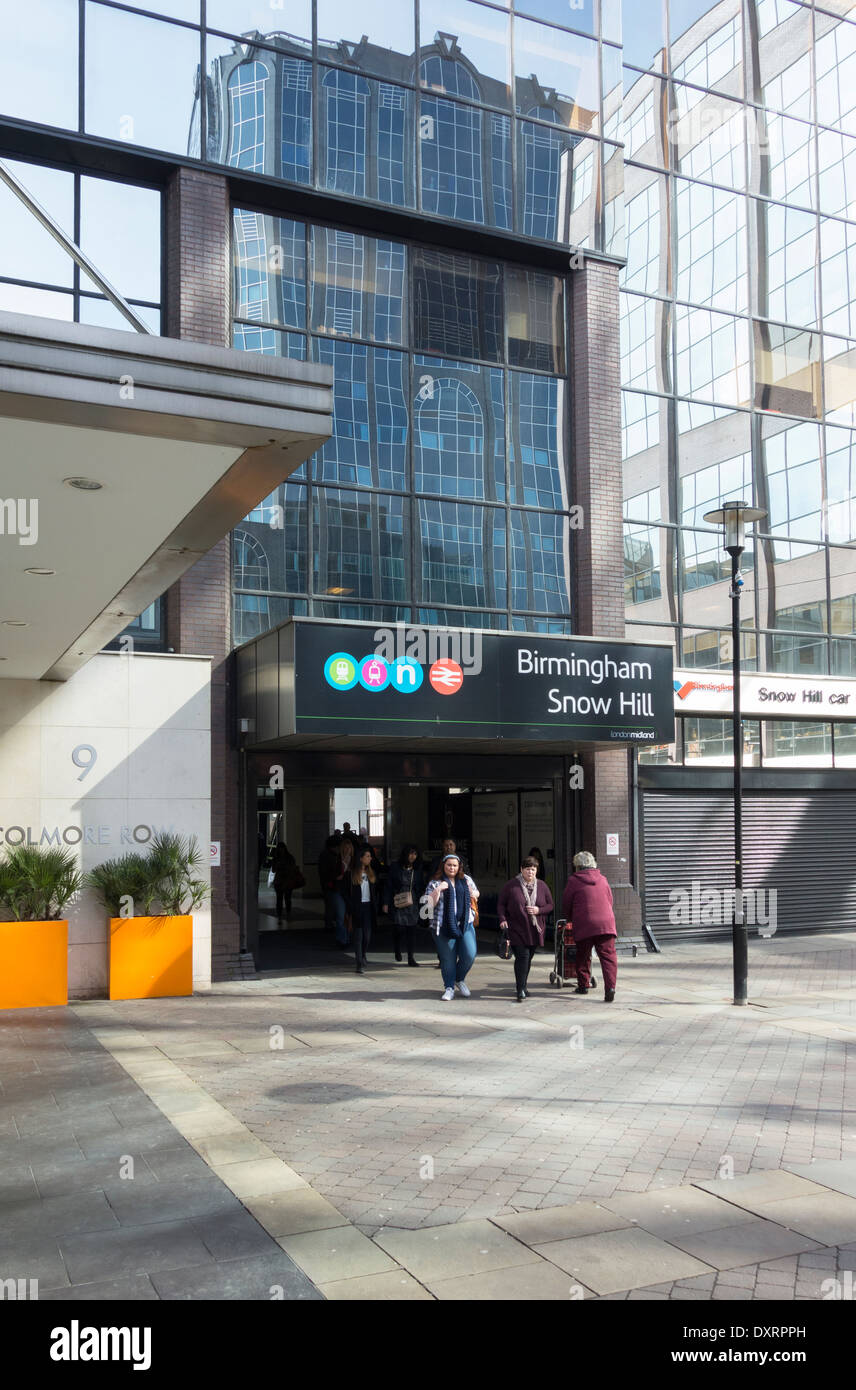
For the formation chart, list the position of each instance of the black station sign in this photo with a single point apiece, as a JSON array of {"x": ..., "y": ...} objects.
[{"x": 435, "y": 682}]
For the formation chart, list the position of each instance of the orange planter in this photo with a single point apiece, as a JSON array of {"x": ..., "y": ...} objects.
[
  {"x": 33, "y": 964},
  {"x": 150, "y": 957}
]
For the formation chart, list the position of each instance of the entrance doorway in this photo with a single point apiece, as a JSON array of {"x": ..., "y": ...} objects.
[{"x": 494, "y": 821}]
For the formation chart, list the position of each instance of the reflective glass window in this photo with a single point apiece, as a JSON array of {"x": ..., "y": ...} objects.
[
  {"x": 835, "y": 67},
  {"x": 535, "y": 319},
  {"x": 48, "y": 304},
  {"x": 787, "y": 377},
  {"x": 838, "y": 276},
  {"x": 787, "y": 263},
  {"x": 269, "y": 547},
  {"x": 122, "y": 101},
  {"x": 269, "y": 256},
  {"x": 706, "y": 43},
  {"x": 389, "y": 31},
  {"x": 787, "y": 164},
  {"x": 97, "y": 310},
  {"x": 358, "y": 286},
  {"x": 549, "y": 59},
  {"x": 359, "y": 544},
  {"x": 706, "y": 580},
  {"x": 710, "y": 232},
  {"x": 463, "y": 554},
  {"x": 457, "y": 305},
  {"x": 784, "y": 76},
  {"x": 38, "y": 63},
  {"x": 845, "y": 744},
  {"x": 708, "y": 136},
  {"x": 344, "y": 122},
  {"x": 839, "y": 380},
  {"x": 792, "y": 478},
  {"x": 842, "y": 583},
  {"x": 458, "y": 429},
  {"x": 540, "y": 562},
  {"x": 253, "y": 614},
  {"x": 788, "y": 743},
  {"x": 645, "y": 346},
  {"x": 712, "y": 649},
  {"x": 120, "y": 232},
  {"x": 836, "y": 157},
  {"x": 711, "y": 741},
  {"x": 470, "y": 37},
  {"x": 714, "y": 460},
  {"x": 614, "y": 238},
  {"x": 646, "y": 222},
  {"x": 579, "y": 15},
  {"x": 645, "y": 113},
  {"x": 247, "y": 97},
  {"x": 556, "y": 182},
  {"x": 649, "y": 557},
  {"x": 712, "y": 356},
  {"x": 643, "y": 33},
  {"x": 465, "y": 162},
  {"x": 249, "y": 337},
  {"x": 841, "y": 485},
  {"x": 453, "y": 617},
  {"x": 645, "y": 456},
  {"x": 370, "y": 416},
  {"x": 536, "y": 441},
  {"x": 27, "y": 251},
  {"x": 792, "y": 589}
]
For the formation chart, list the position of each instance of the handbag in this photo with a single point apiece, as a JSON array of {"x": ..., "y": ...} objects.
[
  {"x": 502, "y": 945},
  {"x": 403, "y": 900},
  {"x": 271, "y": 877}
]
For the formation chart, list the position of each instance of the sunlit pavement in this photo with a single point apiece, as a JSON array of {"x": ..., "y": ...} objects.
[{"x": 395, "y": 1146}]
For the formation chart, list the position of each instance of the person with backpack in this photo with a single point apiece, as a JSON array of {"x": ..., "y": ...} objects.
[{"x": 454, "y": 897}]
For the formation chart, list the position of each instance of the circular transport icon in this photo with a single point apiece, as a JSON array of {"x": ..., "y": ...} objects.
[
  {"x": 340, "y": 671},
  {"x": 405, "y": 675},
  {"x": 374, "y": 673},
  {"x": 446, "y": 677}
]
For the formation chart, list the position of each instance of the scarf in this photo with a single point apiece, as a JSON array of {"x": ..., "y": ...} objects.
[
  {"x": 454, "y": 907},
  {"x": 530, "y": 891}
]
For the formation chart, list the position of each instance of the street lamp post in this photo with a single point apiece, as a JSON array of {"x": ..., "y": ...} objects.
[{"x": 732, "y": 517}]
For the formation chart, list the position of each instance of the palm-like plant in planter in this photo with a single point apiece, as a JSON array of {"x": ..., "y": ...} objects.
[
  {"x": 36, "y": 884},
  {"x": 151, "y": 946}
]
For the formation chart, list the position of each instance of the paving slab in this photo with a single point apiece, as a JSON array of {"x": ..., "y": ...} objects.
[
  {"x": 134, "y": 1288},
  {"x": 469, "y": 1247},
  {"x": 259, "y": 1279},
  {"x": 625, "y": 1259},
  {"x": 343, "y": 1253},
  {"x": 290, "y": 1213},
  {"x": 839, "y": 1174},
  {"x": 561, "y": 1222},
  {"x": 675, "y": 1211},
  {"x": 133, "y": 1250},
  {"x": 259, "y": 1177},
  {"x": 532, "y": 1283},
  {"x": 376, "y": 1288},
  {"x": 756, "y": 1189},
  {"x": 829, "y": 1219},
  {"x": 749, "y": 1243}
]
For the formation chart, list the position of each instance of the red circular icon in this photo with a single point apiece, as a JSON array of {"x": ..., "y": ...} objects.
[{"x": 446, "y": 677}]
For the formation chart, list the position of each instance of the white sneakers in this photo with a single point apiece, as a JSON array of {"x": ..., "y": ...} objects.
[
  {"x": 448, "y": 994},
  {"x": 465, "y": 991}
]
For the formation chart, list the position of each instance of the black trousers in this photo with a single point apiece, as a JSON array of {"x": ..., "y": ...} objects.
[
  {"x": 362, "y": 931},
  {"x": 522, "y": 964},
  {"x": 404, "y": 933},
  {"x": 283, "y": 895}
]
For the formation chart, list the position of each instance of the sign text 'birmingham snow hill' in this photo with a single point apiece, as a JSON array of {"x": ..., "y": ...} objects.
[{"x": 637, "y": 703}]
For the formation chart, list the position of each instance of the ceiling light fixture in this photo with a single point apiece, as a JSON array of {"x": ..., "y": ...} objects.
[{"x": 83, "y": 484}]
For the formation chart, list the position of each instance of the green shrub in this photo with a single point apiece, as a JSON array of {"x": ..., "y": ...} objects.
[
  {"x": 127, "y": 877},
  {"x": 36, "y": 882},
  {"x": 174, "y": 861}
]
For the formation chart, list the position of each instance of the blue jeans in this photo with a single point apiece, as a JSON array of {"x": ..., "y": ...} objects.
[
  {"x": 457, "y": 954},
  {"x": 335, "y": 915}
]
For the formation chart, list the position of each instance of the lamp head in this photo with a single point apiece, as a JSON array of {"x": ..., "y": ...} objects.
[{"x": 733, "y": 518}]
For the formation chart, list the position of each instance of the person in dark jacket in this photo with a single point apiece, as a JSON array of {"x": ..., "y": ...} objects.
[
  {"x": 587, "y": 905},
  {"x": 523, "y": 907},
  {"x": 284, "y": 866},
  {"x": 363, "y": 896},
  {"x": 331, "y": 872},
  {"x": 405, "y": 877}
]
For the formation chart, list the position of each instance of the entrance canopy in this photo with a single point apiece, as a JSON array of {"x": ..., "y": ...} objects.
[
  {"x": 325, "y": 684},
  {"x": 123, "y": 459}
]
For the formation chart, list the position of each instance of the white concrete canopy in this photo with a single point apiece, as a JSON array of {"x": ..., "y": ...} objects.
[{"x": 185, "y": 440}]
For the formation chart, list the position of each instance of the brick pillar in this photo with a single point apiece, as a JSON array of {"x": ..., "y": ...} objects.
[
  {"x": 199, "y": 605},
  {"x": 599, "y": 555}
]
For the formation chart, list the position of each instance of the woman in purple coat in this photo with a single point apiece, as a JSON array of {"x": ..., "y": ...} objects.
[
  {"x": 587, "y": 905},
  {"x": 523, "y": 906}
]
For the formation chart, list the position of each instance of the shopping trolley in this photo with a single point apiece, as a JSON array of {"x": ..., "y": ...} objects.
[{"x": 565, "y": 964}]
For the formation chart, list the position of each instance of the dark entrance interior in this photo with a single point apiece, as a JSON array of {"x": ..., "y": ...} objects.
[{"x": 496, "y": 809}]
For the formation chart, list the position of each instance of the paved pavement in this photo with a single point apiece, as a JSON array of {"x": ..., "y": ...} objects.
[{"x": 354, "y": 1137}]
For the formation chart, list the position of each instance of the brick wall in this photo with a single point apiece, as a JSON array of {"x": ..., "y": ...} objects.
[
  {"x": 199, "y": 606},
  {"x": 599, "y": 553}
]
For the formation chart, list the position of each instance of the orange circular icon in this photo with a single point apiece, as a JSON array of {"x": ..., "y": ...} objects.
[{"x": 446, "y": 677}]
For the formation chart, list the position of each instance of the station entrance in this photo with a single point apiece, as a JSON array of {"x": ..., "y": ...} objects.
[{"x": 496, "y": 809}]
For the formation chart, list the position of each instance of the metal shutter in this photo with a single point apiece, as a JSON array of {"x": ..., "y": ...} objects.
[{"x": 802, "y": 846}]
